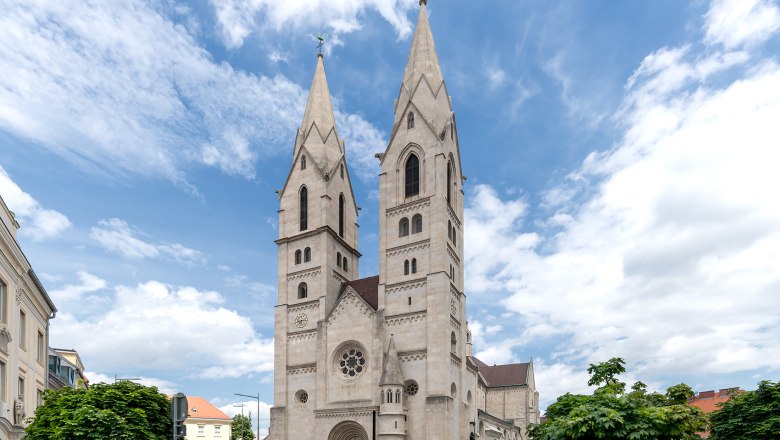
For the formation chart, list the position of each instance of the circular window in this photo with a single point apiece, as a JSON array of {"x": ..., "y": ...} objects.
[
  {"x": 411, "y": 387},
  {"x": 352, "y": 362},
  {"x": 301, "y": 396}
]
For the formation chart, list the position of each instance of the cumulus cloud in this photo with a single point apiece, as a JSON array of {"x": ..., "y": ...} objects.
[
  {"x": 661, "y": 250},
  {"x": 119, "y": 88},
  {"x": 88, "y": 283},
  {"x": 239, "y": 18},
  {"x": 164, "y": 386},
  {"x": 37, "y": 222},
  {"x": 741, "y": 22},
  {"x": 117, "y": 236},
  {"x": 157, "y": 327}
]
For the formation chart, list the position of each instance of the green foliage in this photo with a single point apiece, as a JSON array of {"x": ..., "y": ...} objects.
[
  {"x": 119, "y": 411},
  {"x": 754, "y": 415},
  {"x": 241, "y": 428},
  {"x": 612, "y": 414}
]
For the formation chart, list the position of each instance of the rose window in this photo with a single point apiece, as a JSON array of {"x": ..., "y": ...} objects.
[
  {"x": 352, "y": 362},
  {"x": 411, "y": 387}
]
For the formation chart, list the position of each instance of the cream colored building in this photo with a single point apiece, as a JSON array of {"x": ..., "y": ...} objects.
[
  {"x": 25, "y": 311},
  {"x": 66, "y": 369},
  {"x": 206, "y": 422},
  {"x": 385, "y": 357}
]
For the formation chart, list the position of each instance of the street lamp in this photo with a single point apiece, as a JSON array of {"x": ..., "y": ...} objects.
[
  {"x": 235, "y": 405},
  {"x": 257, "y": 397}
]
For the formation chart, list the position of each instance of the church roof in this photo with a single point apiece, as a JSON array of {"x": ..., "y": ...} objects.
[
  {"x": 368, "y": 288},
  {"x": 391, "y": 368},
  {"x": 319, "y": 109},
  {"x": 503, "y": 375}
]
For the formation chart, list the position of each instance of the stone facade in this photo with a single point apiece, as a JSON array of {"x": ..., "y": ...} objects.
[
  {"x": 385, "y": 357},
  {"x": 25, "y": 310}
]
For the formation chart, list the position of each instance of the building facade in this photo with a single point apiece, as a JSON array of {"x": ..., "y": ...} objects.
[
  {"x": 205, "y": 421},
  {"x": 66, "y": 369},
  {"x": 25, "y": 311},
  {"x": 385, "y": 357}
]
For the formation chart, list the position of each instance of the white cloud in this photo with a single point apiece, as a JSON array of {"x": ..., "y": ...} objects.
[
  {"x": 117, "y": 236},
  {"x": 158, "y": 327},
  {"x": 73, "y": 292},
  {"x": 37, "y": 222},
  {"x": 119, "y": 89},
  {"x": 164, "y": 386},
  {"x": 362, "y": 141},
  {"x": 670, "y": 260},
  {"x": 248, "y": 406},
  {"x": 239, "y": 18},
  {"x": 734, "y": 23}
]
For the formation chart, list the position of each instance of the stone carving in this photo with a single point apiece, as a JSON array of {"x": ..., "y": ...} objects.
[
  {"x": 19, "y": 295},
  {"x": 5, "y": 338},
  {"x": 19, "y": 414}
]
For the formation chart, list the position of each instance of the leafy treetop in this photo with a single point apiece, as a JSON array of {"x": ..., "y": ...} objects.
[{"x": 754, "y": 415}]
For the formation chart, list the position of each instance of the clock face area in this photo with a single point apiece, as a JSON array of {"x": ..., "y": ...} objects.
[{"x": 301, "y": 320}]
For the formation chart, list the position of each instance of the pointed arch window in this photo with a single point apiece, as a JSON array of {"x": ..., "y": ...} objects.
[
  {"x": 298, "y": 256},
  {"x": 406, "y": 267},
  {"x": 303, "y": 163},
  {"x": 412, "y": 175},
  {"x": 341, "y": 171},
  {"x": 417, "y": 224},
  {"x": 338, "y": 259},
  {"x": 303, "y": 291},
  {"x": 341, "y": 215},
  {"x": 414, "y": 265},
  {"x": 403, "y": 227},
  {"x": 344, "y": 264},
  {"x": 397, "y": 396},
  {"x": 449, "y": 229},
  {"x": 454, "y": 236},
  {"x": 307, "y": 255},
  {"x": 449, "y": 183},
  {"x": 410, "y": 120},
  {"x": 304, "y": 208},
  {"x": 389, "y": 396}
]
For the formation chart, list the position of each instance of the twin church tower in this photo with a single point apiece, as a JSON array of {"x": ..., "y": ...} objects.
[{"x": 385, "y": 357}]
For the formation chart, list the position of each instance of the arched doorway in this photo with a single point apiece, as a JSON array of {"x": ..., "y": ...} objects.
[{"x": 348, "y": 431}]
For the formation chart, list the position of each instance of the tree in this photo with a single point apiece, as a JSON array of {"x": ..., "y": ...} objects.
[
  {"x": 119, "y": 411},
  {"x": 241, "y": 427},
  {"x": 754, "y": 415},
  {"x": 613, "y": 414}
]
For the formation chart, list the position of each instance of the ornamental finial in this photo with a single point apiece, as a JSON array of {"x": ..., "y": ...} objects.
[{"x": 423, "y": 2}]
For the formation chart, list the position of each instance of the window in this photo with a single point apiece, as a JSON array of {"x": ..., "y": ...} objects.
[
  {"x": 410, "y": 120},
  {"x": 38, "y": 397},
  {"x": 307, "y": 255},
  {"x": 449, "y": 229},
  {"x": 406, "y": 267},
  {"x": 303, "y": 291},
  {"x": 414, "y": 265},
  {"x": 453, "y": 342},
  {"x": 389, "y": 396},
  {"x": 201, "y": 430},
  {"x": 302, "y": 396},
  {"x": 412, "y": 170},
  {"x": 449, "y": 183},
  {"x": 398, "y": 396},
  {"x": 338, "y": 259},
  {"x": 3, "y": 301},
  {"x": 304, "y": 208},
  {"x": 341, "y": 170},
  {"x": 20, "y": 387},
  {"x": 217, "y": 430},
  {"x": 341, "y": 215},
  {"x": 454, "y": 236},
  {"x": 2, "y": 380},
  {"x": 344, "y": 264},
  {"x": 22, "y": 329},
  {"x": 417, "y": 224},
  {"x": 41, "y": 349},
  {"x": 403, "y": 227},
  {"x": 411, "y": 387},
  {"x": 452, "y": 273},
  {"x": 298, "y": 256},
  {"x": 303, "y": 163}
]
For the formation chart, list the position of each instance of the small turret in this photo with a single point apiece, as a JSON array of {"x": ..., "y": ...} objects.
[{"x": 392, "y": 414}]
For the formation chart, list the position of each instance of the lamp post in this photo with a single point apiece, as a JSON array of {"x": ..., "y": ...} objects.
[
  {"x": 242, "y": 414},
  {"x": 257, "y": 397}
]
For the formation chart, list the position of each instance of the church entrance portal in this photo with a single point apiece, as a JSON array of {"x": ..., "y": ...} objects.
[{"x": 348, "y": 431}]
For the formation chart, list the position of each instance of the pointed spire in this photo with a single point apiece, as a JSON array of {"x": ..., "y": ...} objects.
[
  {"x": 319, "y": 109},
  {"x": 391, "y": 368},
  {"x": 422, "y": 56}
]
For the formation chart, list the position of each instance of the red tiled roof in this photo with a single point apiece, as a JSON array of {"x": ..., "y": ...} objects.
[
  {"x": 709, "y": 402},
  {"x": 368, "y": 288},
  {"x": 200, "y": 408},
  {"x": 503, "y": 375}
]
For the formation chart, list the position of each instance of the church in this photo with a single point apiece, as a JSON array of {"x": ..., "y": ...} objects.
[{"x": 387, "y": 357}]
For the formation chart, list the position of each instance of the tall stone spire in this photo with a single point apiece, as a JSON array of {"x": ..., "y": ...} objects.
[
  {"x": 422, "y": 56},
  {"x": 318, "y": 129},
  {"x": 391, "y": 368}
]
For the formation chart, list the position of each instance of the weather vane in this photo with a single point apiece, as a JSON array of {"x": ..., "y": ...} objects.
[{"x": 321, "y": 38}]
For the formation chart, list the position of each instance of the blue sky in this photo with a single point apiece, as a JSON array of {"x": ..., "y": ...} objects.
[{"x": 621, "y": 161}]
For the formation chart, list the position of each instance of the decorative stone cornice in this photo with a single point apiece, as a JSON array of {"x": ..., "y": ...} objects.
[
  {"x": 408, "y": 285},
  {"x": 302, "y": 336},
  {"x": 344, "y": 414},
  {"x": 453, "y": 216},
  {"x": 311, "y": 305},
  {"x": 304, "y": 274},
  {"x": 455, "y": 360},
  {"x": 409, "y": 248},
  {"x": 349, "y": 299},
  {"x": 338, "y": 277},
  {"x": 408, "y": 208},
  {"x": 295, "y": 370},
  {"x": 454, "y": 322},
  {"x": 453, "y": 255},
  {"x": 406, "y": 318},
  {"x": 411, "y": 356}
]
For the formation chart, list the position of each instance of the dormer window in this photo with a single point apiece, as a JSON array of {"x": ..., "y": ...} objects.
[{"x": 303, "y": 163}]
